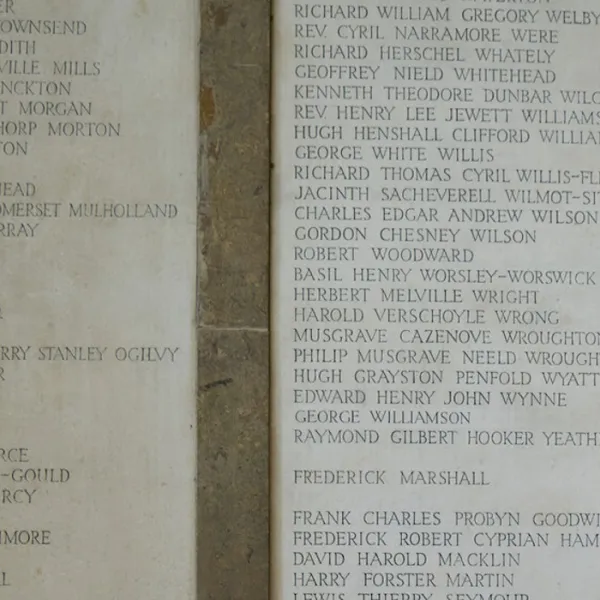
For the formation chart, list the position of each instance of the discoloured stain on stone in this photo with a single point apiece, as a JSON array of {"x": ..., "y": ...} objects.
[
  {"x": 220, "y": 14},
  {"x": 142, "y": 7},
  {"x": 208, "y": 108}
]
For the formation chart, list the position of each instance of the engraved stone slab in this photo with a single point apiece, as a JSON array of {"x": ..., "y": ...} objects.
[
  {"x": 436, "y": 330},
  {"x": 97, "y": 358}
]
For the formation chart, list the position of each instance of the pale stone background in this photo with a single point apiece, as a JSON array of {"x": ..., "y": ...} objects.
[{"x": 233, "y": 415}]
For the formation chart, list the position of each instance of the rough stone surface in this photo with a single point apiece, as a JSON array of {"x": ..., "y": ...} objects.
[
  {"x": 233, "y": 502},
  {"x": 234, "y": 114}
]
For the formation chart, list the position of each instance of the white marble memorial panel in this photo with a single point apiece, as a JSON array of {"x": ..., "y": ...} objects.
[
  {"x": 436, "y": 302},
  {"x": 97, "y": 353}
]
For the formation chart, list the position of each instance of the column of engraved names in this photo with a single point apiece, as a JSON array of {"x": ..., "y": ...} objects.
[
  {"x": 42, "y": 95},
  {"x": 45, "y": 92},
  {"x": 56, "y": 108},
  {"x": 424, "y": 318}
]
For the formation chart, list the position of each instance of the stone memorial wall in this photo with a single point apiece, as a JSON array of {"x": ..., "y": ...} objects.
[{"x": 436, "y": 324}]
